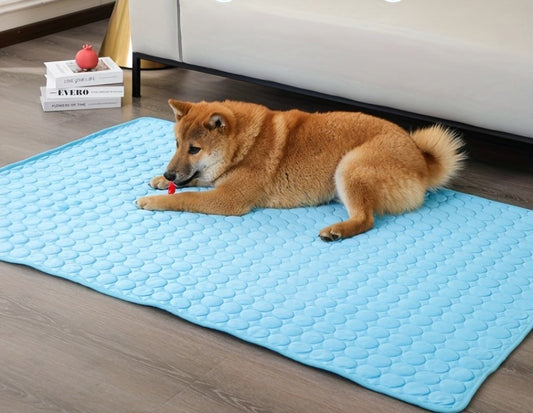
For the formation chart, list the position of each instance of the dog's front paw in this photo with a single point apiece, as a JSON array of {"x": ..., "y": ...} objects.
[
  {"x": 150, "y": 203},
  {"x": 159, "y": 182}
]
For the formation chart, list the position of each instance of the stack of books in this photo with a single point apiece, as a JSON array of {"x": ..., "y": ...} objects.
[{"x": 70, "y": 88}]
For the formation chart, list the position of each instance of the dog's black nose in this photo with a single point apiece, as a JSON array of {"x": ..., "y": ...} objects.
[{"x": 169, "y": 176}]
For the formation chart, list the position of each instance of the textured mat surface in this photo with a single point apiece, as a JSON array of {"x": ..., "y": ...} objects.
[{"x": 422, "y": 308}]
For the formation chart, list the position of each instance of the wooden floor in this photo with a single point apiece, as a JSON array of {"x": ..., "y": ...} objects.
[{"x": 66, "y": 348}]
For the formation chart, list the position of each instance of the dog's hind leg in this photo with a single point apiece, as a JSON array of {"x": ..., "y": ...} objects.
[
  {"x": 384, "y": 176},
  {"x": 354, "y": 225},
  {"x": 361, "y": 219},
  {"x": 353, "y": 181}
]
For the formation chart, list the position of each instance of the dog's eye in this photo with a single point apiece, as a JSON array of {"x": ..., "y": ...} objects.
[{"x": 193, "y": 150}]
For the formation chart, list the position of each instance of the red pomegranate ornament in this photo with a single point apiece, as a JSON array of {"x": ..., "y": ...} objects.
[{"x": 86, "y": 58}]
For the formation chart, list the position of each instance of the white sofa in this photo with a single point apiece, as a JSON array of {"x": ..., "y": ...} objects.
[{"x": 465, "y": 62}]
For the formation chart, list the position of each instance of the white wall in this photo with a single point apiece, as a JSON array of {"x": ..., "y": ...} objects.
[{"x": 16, "y": 13}]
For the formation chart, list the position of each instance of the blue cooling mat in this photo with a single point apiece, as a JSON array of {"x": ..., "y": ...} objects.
[{"x": 422, "y": 308}]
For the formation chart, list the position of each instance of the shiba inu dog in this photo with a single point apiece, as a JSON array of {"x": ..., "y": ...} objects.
[{"x": 255, "y": 157}]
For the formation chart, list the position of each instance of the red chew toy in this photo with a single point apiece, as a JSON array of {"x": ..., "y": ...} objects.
[{"x": 171, "y": 188}]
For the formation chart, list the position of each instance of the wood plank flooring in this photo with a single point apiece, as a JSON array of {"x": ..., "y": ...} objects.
[{"x": 66, "y": 348}]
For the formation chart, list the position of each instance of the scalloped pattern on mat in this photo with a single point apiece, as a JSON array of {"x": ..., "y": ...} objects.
[{"x": 422, "y": 308}]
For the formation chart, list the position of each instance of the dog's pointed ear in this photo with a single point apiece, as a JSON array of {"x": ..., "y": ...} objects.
[
  {"x": 216, "y": 121},
  {"x": 179, "y": 108}
]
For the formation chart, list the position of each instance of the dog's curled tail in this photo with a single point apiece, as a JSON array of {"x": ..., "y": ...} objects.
[{"x": 441, "y": 148}]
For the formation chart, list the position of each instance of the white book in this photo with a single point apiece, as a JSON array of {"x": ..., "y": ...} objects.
[
  {"x": 87, "y": 92},
  {"x": 67, "y": 74},
  {"x": 60, "y": 105}
]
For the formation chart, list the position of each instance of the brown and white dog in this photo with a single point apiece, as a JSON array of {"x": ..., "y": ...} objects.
[{"x": 255, "y": 157}]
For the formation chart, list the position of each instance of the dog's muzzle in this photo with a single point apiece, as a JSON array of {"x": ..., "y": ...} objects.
[
  {"x": 169, "y": 176},
  {"x": 188, "y": 180}
]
